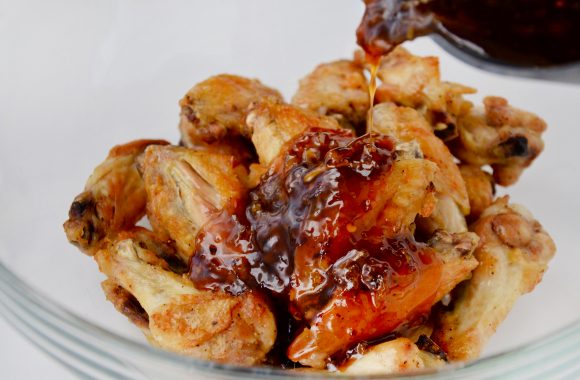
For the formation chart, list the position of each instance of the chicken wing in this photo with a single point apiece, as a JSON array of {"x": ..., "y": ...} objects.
[
  {"x": 216, "y": 108},
  {"x": 202, "y": 324},
  {"x": 348, "y": 318},
  {"x": 415, "y": 82},
  {"x": 513, "y": 254},
  {"x": 184, "y": 188},
  {"x": 502, "y": 136},
  {"x": 406, "y": 125},
  {"x": 273, "y": 124},
  {"x": 400, "y": 355},
  {"x": 337, "y": 89},
  {"x": 113, "y": 200}
]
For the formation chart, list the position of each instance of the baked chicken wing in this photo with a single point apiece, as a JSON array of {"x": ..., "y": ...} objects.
[
  {"x": 337, "y": 89},
  {"x": 185, "y": 188},
  {"x": 113, "y": 200},
  {"x": 178, "y": 317},
  {"x": 415, "y": 82},
  {"x": 502, "y": 136},
  {"x": 272, "y": 125},
  {"x": 513, "y": 254}
]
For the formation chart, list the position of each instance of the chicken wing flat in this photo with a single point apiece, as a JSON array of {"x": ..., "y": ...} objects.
[
  {"x": 415, "y": 82},
  {"x": 513, "y": 254},
  {"x": 504, "y": 137},
  {"x": 337, "y": 88},
  {"x": 179, "y": 318},
  {"x": 185, "y": 188},
  {"x": 216, "y": 108},
  {"x": 272, "y": 125},
  {"x": 113, "y": 200}
]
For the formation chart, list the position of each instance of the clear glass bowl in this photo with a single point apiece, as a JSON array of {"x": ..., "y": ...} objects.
[{"x": 80, "y": 77}]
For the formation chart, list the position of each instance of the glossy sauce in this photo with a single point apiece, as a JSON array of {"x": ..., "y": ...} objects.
[
  {"x": 373, "y": 61},
  {"x": 310, "y": 234},
  {"x": 519, "y": 32}
]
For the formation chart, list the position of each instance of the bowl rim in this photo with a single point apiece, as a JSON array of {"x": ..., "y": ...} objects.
[{"x": 19, "y": 300}]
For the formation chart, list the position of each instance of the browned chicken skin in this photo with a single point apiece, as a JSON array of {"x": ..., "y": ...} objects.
[
  {"x": 337, "y": 89},
  {"x": 504, "y": 137},
  {"x": 274, "y": 225},
  {"x": 185, "y": 188},
  {"x": 414, "y": 81},
  {"x": 513, "y": 254},
  {"x": 213, "y": 114},
  {"x": 180, "y": 318},
  {"x": 114, "y": 198}
]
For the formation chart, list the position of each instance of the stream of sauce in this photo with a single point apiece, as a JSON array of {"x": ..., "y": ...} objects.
[{"x": 373, "y": 62}]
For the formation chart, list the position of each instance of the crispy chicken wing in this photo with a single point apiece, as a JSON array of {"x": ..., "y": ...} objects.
[
  {"x": 480, "y": 188},
  {"x": 113, "y": 200},
  {"x": 415, "y": 82},
  {"x": 184, "y": 188},
  {"x": 216, "y": 108},
  {"x": 202, "y": 324},
  {"x": 273, "y": 124},
  {"x": 502, "y": 136},
  {"x": 513, "y": 254},
  {"x": 337, "y": 88}
]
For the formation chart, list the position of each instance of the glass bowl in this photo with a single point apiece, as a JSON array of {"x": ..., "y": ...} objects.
[{"x": 81, "y": 76}]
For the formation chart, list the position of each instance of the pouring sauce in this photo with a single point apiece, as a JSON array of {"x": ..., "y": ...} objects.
[{"x": 518, "y": 32}]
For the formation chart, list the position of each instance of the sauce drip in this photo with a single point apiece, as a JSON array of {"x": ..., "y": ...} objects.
[
  {"x": 373, "y": 61},
  {"x": 519, "y": 32},
  {"x": 310, "y": 235}
]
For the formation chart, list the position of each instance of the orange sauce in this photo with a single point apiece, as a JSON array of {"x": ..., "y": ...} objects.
[{"x": 374, "y": 66}]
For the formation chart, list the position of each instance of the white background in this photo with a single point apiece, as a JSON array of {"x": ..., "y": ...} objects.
[{"x": 77, "y": 77}]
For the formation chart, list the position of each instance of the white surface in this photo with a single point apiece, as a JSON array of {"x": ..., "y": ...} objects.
[{"x": 78, "y": 77}]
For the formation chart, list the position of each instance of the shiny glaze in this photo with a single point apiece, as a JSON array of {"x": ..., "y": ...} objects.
[
  {"x": 310, "y": 236},
  {"x": 519, "y": 32}
]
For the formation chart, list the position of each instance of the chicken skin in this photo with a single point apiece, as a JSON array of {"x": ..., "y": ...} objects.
[
  {"x": 183, "y": 319},
  {"x": 502, "y": 136},
  {"x": 184, "y": 189},
  {"x": 337, "y": 89},
  {"x": 513, "y": 254},
  {"x": 113, "y": 200}
]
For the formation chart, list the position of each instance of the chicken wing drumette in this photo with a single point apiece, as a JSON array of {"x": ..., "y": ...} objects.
[
  {"x": 113, "y": 200},
  {"x": 502, "y": 136}
]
